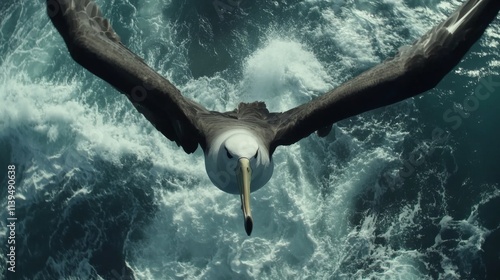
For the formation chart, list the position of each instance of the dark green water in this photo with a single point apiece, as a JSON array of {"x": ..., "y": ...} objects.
[{"x": 405, "y": 192}]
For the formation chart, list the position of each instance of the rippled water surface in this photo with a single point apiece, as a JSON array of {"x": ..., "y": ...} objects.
[{"x": 102, "y": 195}]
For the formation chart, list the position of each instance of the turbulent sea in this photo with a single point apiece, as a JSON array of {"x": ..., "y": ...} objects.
[{"x": 100, "y": 194}]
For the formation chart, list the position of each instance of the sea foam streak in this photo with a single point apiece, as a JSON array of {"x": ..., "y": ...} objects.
[{"x": 99, "y": 183}]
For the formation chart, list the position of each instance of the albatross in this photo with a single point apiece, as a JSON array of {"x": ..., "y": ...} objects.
[{"x": 238, "y": 145}]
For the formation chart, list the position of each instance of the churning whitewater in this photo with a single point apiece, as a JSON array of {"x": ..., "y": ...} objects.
[{"x": 408, "y": 191}]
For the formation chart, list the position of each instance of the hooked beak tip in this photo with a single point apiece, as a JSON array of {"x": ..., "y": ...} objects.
[
  {"x": 244, "y": 174},
  {"x": 248, "y": 225}
]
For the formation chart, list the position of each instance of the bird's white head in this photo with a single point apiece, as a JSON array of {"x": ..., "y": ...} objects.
[{"x": 238, "y": 162}]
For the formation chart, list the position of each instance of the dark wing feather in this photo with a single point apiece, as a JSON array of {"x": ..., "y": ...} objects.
[
  {"x": 412, "y": 71},
  {"x": 94, "y": 44}
]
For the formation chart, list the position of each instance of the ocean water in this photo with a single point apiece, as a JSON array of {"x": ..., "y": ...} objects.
[{"x": 410, "y": 191}]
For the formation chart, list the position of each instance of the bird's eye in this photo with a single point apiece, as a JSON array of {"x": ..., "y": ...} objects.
[
  {"x": 256, "y": 153},
  {"x": 228, "y": 154}
]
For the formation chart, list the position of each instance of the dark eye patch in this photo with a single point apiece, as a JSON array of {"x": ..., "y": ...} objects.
[{"x": 228, "y": 154}]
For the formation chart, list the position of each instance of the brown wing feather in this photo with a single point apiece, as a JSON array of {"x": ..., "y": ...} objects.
[
  {"x": 412, "y": 71},
  {"x": 94, "y": 44}
]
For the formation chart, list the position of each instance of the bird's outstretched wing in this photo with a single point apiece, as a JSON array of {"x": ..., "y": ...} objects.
[
  {"x": 94, "y": 44},
  {"x": 412, "y": 71}
]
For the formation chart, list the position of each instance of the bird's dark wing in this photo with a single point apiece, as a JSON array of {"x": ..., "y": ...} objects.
[
  {"x": 414, "y": 70},
  {"x": 94, "y": 44}
]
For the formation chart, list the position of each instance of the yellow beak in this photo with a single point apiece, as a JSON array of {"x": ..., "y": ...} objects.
[{"x": 244, "y": 175}]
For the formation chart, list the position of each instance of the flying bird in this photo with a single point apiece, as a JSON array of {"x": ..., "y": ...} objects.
[{"x": 238, "y": 145}]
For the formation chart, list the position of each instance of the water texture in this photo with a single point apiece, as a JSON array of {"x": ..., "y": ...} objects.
[{"x": 410, "y": 191}]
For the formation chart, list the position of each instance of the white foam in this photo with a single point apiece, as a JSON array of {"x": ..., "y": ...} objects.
[
  {"x": 57, "y": 127},
  {"x": 284, "y": 74},
  {"x": 294, "y": 223}
]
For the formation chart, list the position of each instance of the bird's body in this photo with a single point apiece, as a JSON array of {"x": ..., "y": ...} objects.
[{"x": 239, "y": 144}]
